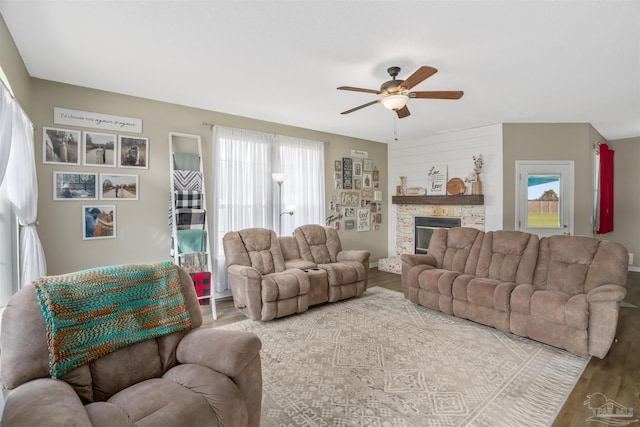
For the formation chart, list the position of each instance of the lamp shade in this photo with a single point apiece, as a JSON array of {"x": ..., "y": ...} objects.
[
  {"x": 279, "y": 177},
  {"x": 395, "y": 102}
]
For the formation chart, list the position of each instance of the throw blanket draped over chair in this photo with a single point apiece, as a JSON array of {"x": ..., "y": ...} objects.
[{"x": 91, "y": 313}]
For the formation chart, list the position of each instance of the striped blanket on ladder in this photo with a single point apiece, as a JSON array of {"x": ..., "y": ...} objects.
[{"x": 91, "y": 313}]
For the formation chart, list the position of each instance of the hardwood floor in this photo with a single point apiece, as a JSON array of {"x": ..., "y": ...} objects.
[{"x": 617, "y": 376}]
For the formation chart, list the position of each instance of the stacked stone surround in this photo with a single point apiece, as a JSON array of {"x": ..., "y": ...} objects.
[{"x": 470, "y": 216}]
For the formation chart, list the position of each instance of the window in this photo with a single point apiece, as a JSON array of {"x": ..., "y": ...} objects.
[{"x": 246, "y": 196}]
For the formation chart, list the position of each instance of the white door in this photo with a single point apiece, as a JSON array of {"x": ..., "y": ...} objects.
[{"x": 544, "y": 196}]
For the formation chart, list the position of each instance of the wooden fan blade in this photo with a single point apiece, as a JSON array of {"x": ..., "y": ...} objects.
[
  {"x": 418, "y": 76},
  {"x": 451, "y": 94},
  {"x": 403, "y": 112},
  {"x": 360, "y": 106},
  {"x": 358, "y": 89}
]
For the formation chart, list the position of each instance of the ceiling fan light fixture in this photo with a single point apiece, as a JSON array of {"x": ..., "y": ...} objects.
[{"x": 395, "y": 102}]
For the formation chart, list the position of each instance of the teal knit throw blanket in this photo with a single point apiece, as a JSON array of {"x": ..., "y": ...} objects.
[{"x": 91, "y": 313}]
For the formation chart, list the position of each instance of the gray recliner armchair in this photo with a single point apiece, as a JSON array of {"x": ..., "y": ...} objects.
[{"x": 193, "y": 377}]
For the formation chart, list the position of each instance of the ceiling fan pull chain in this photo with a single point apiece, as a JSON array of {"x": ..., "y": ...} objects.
[{"x": 395, "y": 128}]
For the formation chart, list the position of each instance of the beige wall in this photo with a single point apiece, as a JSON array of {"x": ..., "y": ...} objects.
[
  {"x": 627, "y": 195},
  {"x": 142, "y": 232},
  {"x": 559, "y": 141},
  {"x": 13, "y": 67}
]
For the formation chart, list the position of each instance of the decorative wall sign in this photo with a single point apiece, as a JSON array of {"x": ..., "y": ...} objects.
[
  {"x": 359, "y": 153},
  {"x": 364, "y": 220},
  {"x": 347, "y": 173},
  {"x": 437, "y": 180},
  {"x": 350, "y": 199},
  {"x": 64, "y": 116}
]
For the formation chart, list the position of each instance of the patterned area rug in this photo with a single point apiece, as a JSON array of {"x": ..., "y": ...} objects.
[{"x": 380, "y": 360}]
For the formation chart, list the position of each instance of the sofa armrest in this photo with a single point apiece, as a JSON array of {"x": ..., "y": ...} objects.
[
  {"x": 228, "y": 352},
  {"x": 353, "y": 255},
  {"x": 606, "y": 293},
  {"x": 244, "y": 271},
  {"x": 412, "y": 260},
  {"x": 43, "y": 402}
]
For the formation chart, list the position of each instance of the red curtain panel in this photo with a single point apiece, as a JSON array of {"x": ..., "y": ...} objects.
[{"x": 605, "y": 203}]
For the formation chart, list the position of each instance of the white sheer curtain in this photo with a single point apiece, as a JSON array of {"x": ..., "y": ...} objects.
[
  {"x": 243, "y": 189},
  {"x": 245, "y": 194},
  {"x": 22, "y": 186},
  {"x": 6, "y": 117},
  {"x": 303, "y": 162}
]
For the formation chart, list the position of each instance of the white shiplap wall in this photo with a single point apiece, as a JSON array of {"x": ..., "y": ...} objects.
[{"x": 456, "y": 150}]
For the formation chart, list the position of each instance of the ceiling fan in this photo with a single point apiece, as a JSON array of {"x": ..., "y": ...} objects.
[{"x": 395, "y": 93}]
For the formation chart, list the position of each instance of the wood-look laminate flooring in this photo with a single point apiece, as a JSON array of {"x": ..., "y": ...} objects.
[{"x": 617, "y": 376}]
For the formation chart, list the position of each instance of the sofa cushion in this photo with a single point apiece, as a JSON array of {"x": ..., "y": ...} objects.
[
  {"x": 456, "y": 249},
  {"x": 287, "y": 284},
  {"x": 317, "y": 243},
  {"x": 162, "y": 402},
  {"x": 436, "y": 280},
  {"x": 255, "y": 247},
  {"x": 508, "y": 256},
  {"x": 345, "y": 272},
  {"x": 563, "y": 263}
]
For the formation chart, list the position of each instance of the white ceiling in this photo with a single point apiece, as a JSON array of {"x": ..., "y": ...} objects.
[{"x": 518, "y": 61}]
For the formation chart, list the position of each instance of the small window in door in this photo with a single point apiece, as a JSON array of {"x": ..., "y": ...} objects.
[{"x": 543, "y": 200}]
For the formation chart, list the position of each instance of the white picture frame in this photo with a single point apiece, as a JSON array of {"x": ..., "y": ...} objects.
[
  {"x": 133, "y": 152},
  {"x": 99, "y": 149},
  {"x": 104, "y": 222},
  {"x": 75, "y": 186},
  {"x": 60, "y": 146},
  {"x": 119, "y": 186}
]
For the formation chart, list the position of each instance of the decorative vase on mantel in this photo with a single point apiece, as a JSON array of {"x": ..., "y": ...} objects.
[{"x": 477, "y": 185}]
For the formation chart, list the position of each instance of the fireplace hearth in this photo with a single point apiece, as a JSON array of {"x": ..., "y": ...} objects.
[{"x": 426, "y": 225}]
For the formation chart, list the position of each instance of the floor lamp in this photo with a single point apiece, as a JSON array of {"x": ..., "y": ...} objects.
[{"x": 280, "y": 178}]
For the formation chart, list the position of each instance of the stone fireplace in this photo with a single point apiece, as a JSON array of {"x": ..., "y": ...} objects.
[{"x": 442, "y": 208}]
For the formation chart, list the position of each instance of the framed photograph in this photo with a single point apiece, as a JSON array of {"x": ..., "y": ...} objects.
[
  {"x": 357, "y": 184},
  {"x": 60, "y": 146},
  {"x": 134, "y": 152},
  {"x": 98, "y": 222},
  {"x": 75, "y": 186},
  {"x": 375, "y": 175},
  {"x": 117, "y": 186},
  {"x": 357, "y": 169},
  {"x": 367, "y": 165},
  {"x": 99, "y": 149},
  {"x": 366, "y": 180},
  {"x": 377, "y": 195},
  {"x": 337, "y": 166},
  {"x": 349, "y": 224}
]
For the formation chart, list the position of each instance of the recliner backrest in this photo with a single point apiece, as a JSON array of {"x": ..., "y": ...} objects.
[
  {"x": 254, "y": 247},
  {"x": 456, "y": 248},
  {"x": 317, "y": 243},
  {"x": 578, "y": 264},
  {"x": 508, "y": 256}
]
